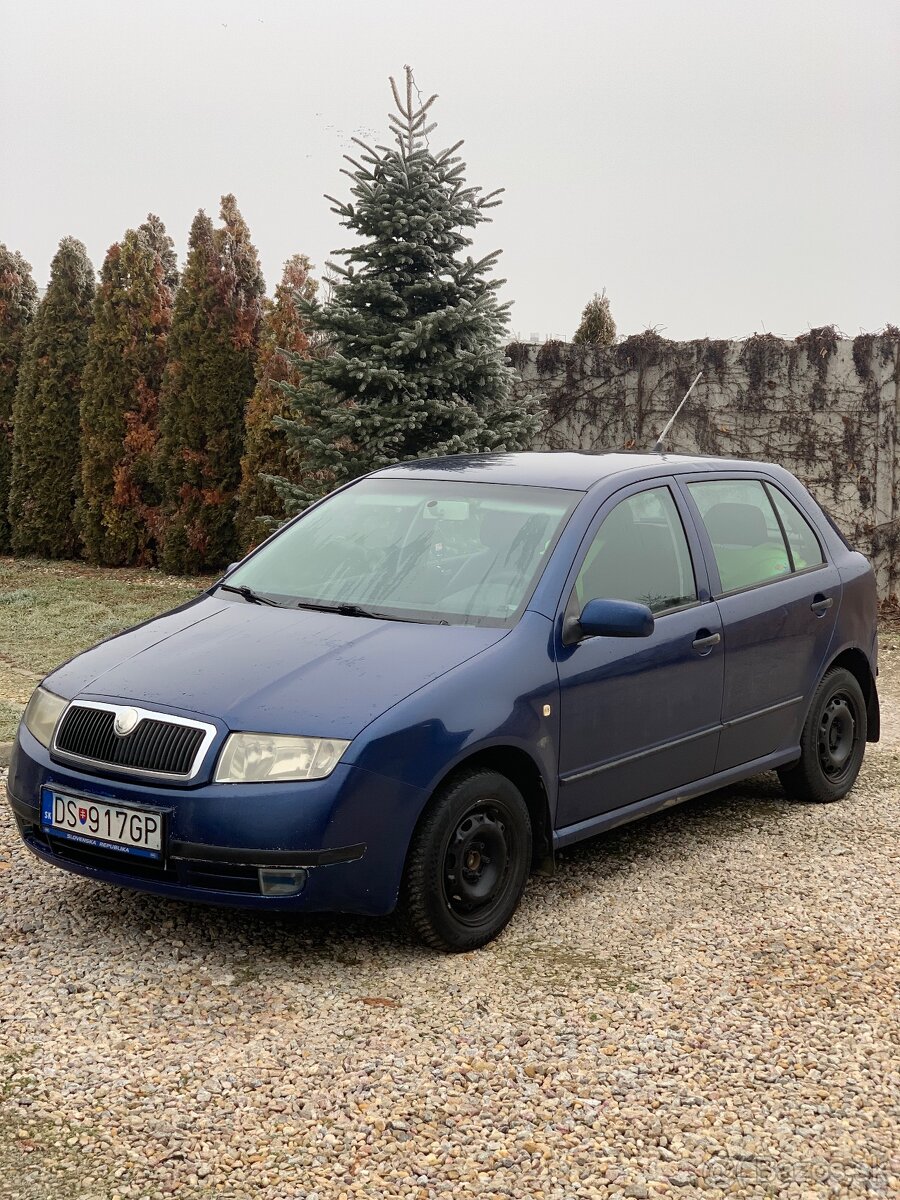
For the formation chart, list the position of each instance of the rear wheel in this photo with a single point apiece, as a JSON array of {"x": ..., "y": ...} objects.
[
  {"x": 833, "y": 741},
  {"x": 468, "y": 862}
]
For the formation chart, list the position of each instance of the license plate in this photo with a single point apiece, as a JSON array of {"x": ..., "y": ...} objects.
[{"x": 102, "y": 826}]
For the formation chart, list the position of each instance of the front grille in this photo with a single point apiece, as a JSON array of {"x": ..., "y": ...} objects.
[{"x": 165, "y": 747}]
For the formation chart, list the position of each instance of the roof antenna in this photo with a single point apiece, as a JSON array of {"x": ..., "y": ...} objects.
[{"x": 658, "y": 448}]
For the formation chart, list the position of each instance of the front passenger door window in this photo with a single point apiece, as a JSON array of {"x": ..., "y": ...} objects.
[{"x": 640, "y": 553}]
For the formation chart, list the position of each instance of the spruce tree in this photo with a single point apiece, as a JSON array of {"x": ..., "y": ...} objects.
[
  {"x": 597, "y": 326},
  {"x": 266, "y": 450},
  {"x": 18, "y": 303},
  {"x": 208, "y": 380},
  {"x": 415, "y": 328},
  {"x": 45, "y": 469},
  {"x": 117, "y": 511}
]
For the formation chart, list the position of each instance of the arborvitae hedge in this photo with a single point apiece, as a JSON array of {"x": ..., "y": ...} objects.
[
  {"x": 46, "y": 459},
  {"x": 18, "y": 303},
  {"x": 266, "y": 449},
  {"x": 597, "y": 327},
  {"x": 118, "y": 510},
  {"x": 208, "y": 380},
  {"x": 155, "y": 232}
]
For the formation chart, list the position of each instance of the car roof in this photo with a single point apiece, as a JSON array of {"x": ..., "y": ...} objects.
[{"x": 575, "y": 470}]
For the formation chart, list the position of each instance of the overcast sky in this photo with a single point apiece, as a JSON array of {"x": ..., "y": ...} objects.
[{"x": 719, "y": 167}]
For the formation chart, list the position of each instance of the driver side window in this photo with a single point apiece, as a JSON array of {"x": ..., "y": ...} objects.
[{"x": 640, "y": 553}]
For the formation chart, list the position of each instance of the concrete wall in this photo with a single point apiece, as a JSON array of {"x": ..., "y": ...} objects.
[{"x": 823, "y": 406}]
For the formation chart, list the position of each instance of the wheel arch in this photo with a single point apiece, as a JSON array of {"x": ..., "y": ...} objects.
[
  {"x": 518, "y": 766},
  {"x": 853, "y": 659}
]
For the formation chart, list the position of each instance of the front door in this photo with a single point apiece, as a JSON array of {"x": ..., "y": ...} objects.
[{"x": 639, "y": 716}]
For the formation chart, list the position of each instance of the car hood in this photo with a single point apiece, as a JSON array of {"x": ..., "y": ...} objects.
[{"x": 274, "y": 670}]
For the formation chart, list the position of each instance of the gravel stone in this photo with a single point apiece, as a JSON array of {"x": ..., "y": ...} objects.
[{"x": 703, "y": 1004}]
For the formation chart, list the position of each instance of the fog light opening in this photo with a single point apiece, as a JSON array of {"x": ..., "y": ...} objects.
[{"x": 275, "y": 881}]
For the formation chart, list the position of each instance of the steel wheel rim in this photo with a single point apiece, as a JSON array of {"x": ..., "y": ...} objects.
[
  {"x": 838, "y": 735},
  {"x": 478, "y": 862}
]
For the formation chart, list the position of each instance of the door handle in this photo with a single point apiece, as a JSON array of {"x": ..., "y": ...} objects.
[
  {"x": 821, "y": 604},
  {"x": 704, "y": 641}
]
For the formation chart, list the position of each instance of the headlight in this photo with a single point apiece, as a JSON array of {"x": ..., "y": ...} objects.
[
  {"x": 43, "y": 711},
  {"x": 267, "y": 758}
]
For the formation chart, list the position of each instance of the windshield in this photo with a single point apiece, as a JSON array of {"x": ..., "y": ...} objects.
[{"x": 415, "y": 549}]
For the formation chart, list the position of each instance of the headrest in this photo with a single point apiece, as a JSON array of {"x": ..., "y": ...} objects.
[
  {"x": 736, "y": 524},
  {"x": 619, "y": 524}
]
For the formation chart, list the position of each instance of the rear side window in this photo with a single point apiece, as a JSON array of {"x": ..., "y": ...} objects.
[
  {"x": 802, "y": 542},
  {"x": 744, "y": 530},
  {"x": 639, "y": 553}
]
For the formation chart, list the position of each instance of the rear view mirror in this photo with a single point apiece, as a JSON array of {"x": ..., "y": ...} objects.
[
  {"x": 610, "y": 618},
  {"x": 446, "y": 510}
]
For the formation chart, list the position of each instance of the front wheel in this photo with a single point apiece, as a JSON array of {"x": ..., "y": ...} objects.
[
  {"x": 833, "y": 741},
  {"x": 468, "y": 862}
]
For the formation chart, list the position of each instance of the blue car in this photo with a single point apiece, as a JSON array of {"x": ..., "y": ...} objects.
[{"x": 432, "y": 680}]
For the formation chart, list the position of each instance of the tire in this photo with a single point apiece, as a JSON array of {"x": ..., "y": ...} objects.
[
  {"x": 832, "y": 744},
  {"x": 468, "y": 862}
]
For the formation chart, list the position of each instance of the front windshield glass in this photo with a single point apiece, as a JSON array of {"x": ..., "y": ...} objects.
[{"x": 415, "y": 549}]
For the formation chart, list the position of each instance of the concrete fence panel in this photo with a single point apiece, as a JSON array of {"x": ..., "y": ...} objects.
[{"x": 823, "y": 406}]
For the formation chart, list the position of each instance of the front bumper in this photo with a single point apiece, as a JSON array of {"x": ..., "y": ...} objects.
[{"x": 349, "y": 833}]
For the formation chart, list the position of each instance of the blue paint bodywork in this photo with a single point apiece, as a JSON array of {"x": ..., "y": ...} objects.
[{"x": 634, "y": 724}]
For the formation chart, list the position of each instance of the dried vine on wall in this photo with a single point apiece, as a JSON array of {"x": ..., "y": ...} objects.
[{"x": 823, "y": 406}]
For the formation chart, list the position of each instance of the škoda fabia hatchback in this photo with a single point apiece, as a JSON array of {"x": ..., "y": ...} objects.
[{"x": 443, "y": 673}]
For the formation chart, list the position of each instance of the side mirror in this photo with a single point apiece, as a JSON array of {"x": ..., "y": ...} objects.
[
  {"x": 610, "y": 618},
  {"x": 231, "y": 566}
]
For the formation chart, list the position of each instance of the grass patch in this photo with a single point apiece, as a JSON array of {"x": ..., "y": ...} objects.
[
  {"x": 9, "y": 719},
  {"x": 52, "y": 610}
]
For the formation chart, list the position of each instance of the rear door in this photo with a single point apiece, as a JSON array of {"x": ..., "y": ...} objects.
[
  {"x": 778, "y": 598},
  {"x": 639, "y": 716}
]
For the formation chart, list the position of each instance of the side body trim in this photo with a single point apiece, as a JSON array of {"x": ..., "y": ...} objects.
[{"x": 643, "y": 808}]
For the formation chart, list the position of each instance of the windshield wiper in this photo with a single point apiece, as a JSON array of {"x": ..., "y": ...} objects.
[
  {"x": 249, "y": 594},
  {"x": 356, "y": 610}
]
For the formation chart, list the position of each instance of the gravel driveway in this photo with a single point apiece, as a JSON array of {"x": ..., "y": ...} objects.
[{"x": 705, "y": 1003}]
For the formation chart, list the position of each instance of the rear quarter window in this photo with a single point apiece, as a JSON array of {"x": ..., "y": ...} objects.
[{"x": 801, "y": 538}]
